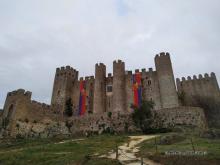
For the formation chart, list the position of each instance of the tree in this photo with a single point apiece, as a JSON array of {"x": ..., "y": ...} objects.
[
  {"x": 69, "y": 107},
  {"x": 143, "y": 117}
]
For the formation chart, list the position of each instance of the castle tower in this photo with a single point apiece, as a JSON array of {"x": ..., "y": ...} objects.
[
  {"x": 166, "y": 80},
  {"x": 119, "y": 99},
  {"x": 17, "y": 106},
  {"x": 128, "y": 91},
  {"x": 64, "y": 82},
  {"x": 99, "y": 102}
]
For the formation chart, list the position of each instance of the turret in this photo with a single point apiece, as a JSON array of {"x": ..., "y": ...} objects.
[
  {"x": 64, "y": 81},
  {"x": 99, "y": 102},
  {"x": 166, "y": 80},
  {"x": 16, "y": 106},
  {"x": 119, "y": 99}
]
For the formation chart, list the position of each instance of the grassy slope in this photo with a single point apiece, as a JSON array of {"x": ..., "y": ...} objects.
[
  {"x": 49, "y": 151},
  {"x": 182, "y": 143},
  {"x": 212, "y": 147},
  {"x": 46, "y": 151}
]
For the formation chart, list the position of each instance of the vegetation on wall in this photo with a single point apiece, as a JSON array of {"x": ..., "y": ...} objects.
[{"x": 143, "y": 117}]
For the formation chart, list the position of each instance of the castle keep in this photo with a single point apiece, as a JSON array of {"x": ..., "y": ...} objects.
[
  {"x": 95, "y": 96},
  {"x": 114, "y": 93}
]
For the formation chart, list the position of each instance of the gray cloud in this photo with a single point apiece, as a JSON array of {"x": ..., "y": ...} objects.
[{"x": 38, "y": 36}]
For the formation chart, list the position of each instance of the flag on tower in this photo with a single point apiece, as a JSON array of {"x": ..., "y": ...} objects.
[
  {"x": 137, "y": 89},
  {"x": 82, "y": 98}
]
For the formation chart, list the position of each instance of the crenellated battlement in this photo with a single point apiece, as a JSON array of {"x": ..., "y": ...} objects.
[
  {"x": 143, "y": 70},
  {"x": 205, "y": 85},
  {"x": 128, "y": 72},
  {"x": 100, "y": 69},
  {"x": 88, "y": 78},
  {"x": 20, "y": 92},
  {"x": 137, "y": 71},
  {"x": 162, "y": 55},
  {"x": 81, "y": 79},
  {"x": 100, "y": 65},
  {"x": 150, "y": 70},
  {"x": 118, "y": 62},
  {"x": 200, "y": 77},
  {"x": 66, "y": 71}
]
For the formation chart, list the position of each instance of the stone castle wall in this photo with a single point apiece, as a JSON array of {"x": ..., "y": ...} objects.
[
  {"x": 104, "y": 123},
  {"x": 113, "y": 93},
  {"x": 193, "y": 116},
  {"x": 19, "y": 107},
  {"x": 190, "y": 88},
  {"x": 158, "y": 86}
]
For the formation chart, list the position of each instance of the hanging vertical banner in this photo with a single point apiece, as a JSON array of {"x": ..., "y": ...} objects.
[
  {"x": 137, "y": 90},
  {"x": 82, "y": 98}
]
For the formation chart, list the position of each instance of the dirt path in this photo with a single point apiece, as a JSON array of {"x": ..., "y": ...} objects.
[{"x": 127, "y": 151}]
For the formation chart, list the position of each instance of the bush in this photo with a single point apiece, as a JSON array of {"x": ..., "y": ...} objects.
[
  {"x": 142, "y": 116},
  {"x": 109, "y": 114}
]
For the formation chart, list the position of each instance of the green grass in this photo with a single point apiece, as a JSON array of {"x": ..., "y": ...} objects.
[
  {"x": 211, "y": 146},
  {"x": 47, "y": 151},
  {"x": 51, "y": 152}
]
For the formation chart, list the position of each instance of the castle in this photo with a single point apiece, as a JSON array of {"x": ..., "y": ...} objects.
[{"x": 112, "y": 93}]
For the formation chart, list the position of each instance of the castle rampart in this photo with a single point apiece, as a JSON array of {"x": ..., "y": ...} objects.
[{"x": 201, "y": 86}]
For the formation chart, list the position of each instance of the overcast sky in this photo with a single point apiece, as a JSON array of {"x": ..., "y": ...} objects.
[{"x": 37, "y": 36}]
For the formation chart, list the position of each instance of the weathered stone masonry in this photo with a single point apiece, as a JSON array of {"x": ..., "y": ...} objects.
[
  {"x": 109, "y": 93},
  {"x": 113, "y": 93}
]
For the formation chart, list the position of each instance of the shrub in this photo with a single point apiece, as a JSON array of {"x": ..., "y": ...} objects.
[
  {"x": 142, "y": 116},
  {"x": 110, "y": 114}
]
